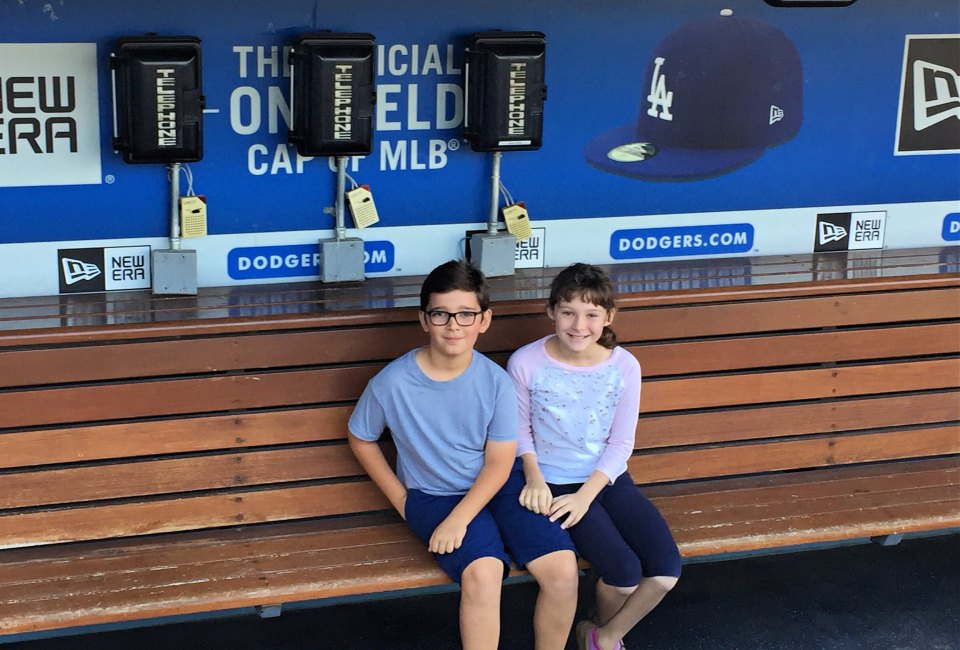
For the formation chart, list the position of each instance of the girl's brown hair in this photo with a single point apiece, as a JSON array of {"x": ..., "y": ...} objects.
[{"x": 590, "y": 284}]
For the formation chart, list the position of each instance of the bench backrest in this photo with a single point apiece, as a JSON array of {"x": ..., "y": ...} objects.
[{"x": 136, "y": 429}]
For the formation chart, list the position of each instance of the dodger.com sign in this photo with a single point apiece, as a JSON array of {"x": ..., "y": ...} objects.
[
  {"x": 951, "y": 227},
  {"x": 681, "y": 241},
  {"x": 299, "y": 260}
]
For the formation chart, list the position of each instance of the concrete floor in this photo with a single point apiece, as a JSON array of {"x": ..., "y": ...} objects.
[{"x": 865, "y": 596}]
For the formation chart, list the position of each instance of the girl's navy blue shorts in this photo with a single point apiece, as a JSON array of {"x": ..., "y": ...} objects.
[
  {"x": 504, "y": 529},
  {"x": 623, "y": 535}
]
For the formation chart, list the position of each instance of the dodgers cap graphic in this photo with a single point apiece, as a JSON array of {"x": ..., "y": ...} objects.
[{"x": 716, "y": 94}]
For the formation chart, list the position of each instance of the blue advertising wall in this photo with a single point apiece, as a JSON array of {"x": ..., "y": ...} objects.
[{"x": 844, "y": 157}]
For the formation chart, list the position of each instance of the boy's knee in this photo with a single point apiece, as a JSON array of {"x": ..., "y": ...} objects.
[
  {"x": 556, "y": 572},
  {"x": 482, "y": 579}
]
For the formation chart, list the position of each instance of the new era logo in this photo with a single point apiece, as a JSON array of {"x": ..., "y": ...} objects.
[
  {"x": 776, "y": 114},
  {"x": 936, "y": 94},
  {"x": 831, "y": 232},
  {"x": 928, "y": 119},
  {"x": 76, "y": 270}
]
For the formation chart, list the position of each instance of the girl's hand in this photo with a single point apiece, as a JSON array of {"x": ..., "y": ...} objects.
[
  {"x": 536, "y": 496},
  {"x": 447, "y": 537},
  {"x": 572, "y": 506}
]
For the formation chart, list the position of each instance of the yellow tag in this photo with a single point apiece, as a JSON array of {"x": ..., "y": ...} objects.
[
  {"x": 193, "y": 217},
  {"x": 518, "y": 222},
  {"x": 362, "y": 207}
]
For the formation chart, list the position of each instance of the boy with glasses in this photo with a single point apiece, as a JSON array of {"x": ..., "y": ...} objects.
[{"x": 452, "y": 414}]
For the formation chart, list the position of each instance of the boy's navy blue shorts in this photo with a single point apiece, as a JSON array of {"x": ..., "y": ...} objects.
[
  {"x": 623, "y": 535},
  {"x": 504, "y": 529}
]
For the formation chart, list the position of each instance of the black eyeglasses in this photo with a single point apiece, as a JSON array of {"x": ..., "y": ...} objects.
[{"x": 463, "y": 318}]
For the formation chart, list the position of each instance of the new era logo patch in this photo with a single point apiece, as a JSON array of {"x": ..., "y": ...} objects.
[
  {"x": 83, "y": 270},
  {"x": 841, "y": 231}
]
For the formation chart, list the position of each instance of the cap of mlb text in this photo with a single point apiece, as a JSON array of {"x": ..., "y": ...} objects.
[{"x": 716, "y": 94}]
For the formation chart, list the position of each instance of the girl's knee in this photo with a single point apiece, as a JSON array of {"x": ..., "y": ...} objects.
[
  {"x": 664, "y": 583},
  {"x": 622, "y": 592},
  {"x": 626, "y": 572}
]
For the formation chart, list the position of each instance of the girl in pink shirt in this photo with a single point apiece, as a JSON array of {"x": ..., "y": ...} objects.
[{"x": 579, "y": 398}]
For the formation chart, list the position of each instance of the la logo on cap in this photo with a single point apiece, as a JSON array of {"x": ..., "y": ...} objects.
[
  {"x": 660, "y": 98},
  {"x": 716, "y": 94}
]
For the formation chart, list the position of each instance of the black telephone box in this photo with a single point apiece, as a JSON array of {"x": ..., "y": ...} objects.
[
  {"x": 506, "y": 89},
  {"x": 333, "y": 94},
  {"x": 158, "y": 99}
]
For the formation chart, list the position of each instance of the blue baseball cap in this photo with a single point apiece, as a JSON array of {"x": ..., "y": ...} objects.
[{"x": 717, "y": 93}]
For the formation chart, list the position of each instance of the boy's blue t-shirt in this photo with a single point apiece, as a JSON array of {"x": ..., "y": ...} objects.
[{"x": 440, "y": 428}]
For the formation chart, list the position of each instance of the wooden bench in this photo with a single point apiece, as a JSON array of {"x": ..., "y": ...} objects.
[{"x": 168, "y": 456}]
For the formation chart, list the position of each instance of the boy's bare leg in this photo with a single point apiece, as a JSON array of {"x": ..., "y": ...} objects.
[
  {"x": 480, "y": 587},
  {"x": 556, "y": 574}
]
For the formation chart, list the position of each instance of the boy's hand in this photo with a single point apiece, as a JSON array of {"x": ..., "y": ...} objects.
[
  {"x": 447, "y": 537},
  {"x": 536, "y": 496},
  {"x": 572, "y": 506}
]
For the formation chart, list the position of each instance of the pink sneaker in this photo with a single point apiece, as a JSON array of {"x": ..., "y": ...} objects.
[{"x": 587, "y": 637}]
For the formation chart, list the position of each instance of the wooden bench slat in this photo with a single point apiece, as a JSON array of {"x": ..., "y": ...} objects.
[
  {"x": 896, "y": 470},
  {"x": 193, "y": 577},
  {"x": 306, "y": 584},
  {"x": 204, "y": 355},
  {"x": 189, "y": 513},
  {"x": 785, "y": 455},
  {"x": 835, "y": 526},
  {"x": 635, "y": 324},
  {"x": 157, "y": 437},
  {"x": 804, "y": 508},
  {"x": 182, "y": 396},
  {"x": 780, "y": 315},
  {"x": 795, "y": 385},
  {"x": 776, "y": 350},
  {"x": 146, "y": 478},
  {"x": 678, "y": 429},
  {"x": 796, "y": 349},
  {"x": 246, "y": 544},
  {"x": 816, "y": 484}
]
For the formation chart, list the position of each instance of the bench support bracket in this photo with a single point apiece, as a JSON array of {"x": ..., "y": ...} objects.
[
  {"x": 887, "y": 540},
  {"x": 269, "y": 611}
]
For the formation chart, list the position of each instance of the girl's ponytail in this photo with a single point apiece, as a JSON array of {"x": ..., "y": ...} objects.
[{"x": 609, "y": 338}]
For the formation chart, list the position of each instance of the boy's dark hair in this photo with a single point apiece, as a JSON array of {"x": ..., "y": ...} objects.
[
  {"x": 590, "y": 284},
  {"x": 455, "y": 275}
]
